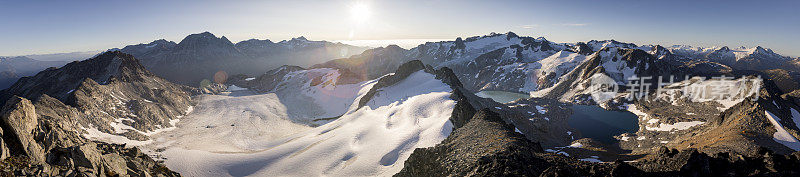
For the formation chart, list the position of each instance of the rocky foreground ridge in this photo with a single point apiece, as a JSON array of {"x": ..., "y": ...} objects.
[
  {"x": 487, "y": 146},
  {"x": 47, "y": 119},
  {"x": 43, "y": 138}
]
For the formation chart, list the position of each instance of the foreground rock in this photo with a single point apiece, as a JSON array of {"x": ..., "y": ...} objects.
[
  {"x": 486, "y": 146},
  {"x": 481, "y": 142},
  {"x": 43, "y": 139}
]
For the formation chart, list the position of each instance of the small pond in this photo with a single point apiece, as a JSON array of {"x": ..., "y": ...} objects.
[
  {"x": 600, "y": 124},
  {"x": 592, "y": 121}
]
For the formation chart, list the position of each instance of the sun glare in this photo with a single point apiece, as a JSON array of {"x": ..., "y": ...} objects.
[{"x": 359, "y": 12}]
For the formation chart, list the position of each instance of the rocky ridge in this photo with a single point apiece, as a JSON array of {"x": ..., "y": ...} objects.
[{"x": 119, "y": 96}]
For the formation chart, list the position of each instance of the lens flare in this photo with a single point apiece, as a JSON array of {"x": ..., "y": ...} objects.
[{"x": 220, "y": 77}]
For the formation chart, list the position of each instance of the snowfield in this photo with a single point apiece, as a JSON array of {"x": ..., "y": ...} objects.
[{"x": 255, "y": 135}]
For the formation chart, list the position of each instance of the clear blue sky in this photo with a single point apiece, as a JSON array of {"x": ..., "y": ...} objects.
[{"x": 38, "y": 27}]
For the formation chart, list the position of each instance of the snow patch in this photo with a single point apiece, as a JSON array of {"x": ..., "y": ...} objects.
[
  {"x": 233, "y": 88},
  {"x": 796, "y": 118},
  {"x": 575, "y": 145},
  {"x": 676, "y": 126},
  {"x": 95, "y": 134},
  {"x": 541, "y": 109},
  {"x": 594, "y": 160},
  {"x": 781, "y": 135}
]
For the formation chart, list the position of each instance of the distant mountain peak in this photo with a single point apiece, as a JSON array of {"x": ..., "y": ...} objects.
[
  {"x": 160, "y": 41},
  {"x": 206, "y": 33},
  {"x": 394, "y": 47},
  {"x": 256, "y": 41},
  {"x": 201, "y": 36},
  {"x": 301, "y": 38},
  {"x": 206, "y": 41},
  {"x": 760, "y": 49},
  {"x": 17, "y": 59},
  {"x": 511, "y": 34}
]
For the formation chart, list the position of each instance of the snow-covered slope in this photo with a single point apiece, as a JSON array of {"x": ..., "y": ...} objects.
[
  {"x": 242, "y": 139},
  {"x": 322, "y": 92}
]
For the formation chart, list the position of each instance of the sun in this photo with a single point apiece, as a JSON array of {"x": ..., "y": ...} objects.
[{"x": 359, "y": 11}]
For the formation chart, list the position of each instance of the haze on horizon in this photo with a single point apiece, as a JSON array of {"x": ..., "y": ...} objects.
[{"x": 38, "y": 27}]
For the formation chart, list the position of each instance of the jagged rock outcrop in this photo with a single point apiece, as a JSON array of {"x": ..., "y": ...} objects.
[
  {"x": 486, "y": 146},
  {"x": 267, "y": 81},
  {"x": 690, "y": 162},
  {"x": 43, "y": 139}
]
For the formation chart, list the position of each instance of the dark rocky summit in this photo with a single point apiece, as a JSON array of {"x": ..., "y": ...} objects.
[{"x": 486, "y": 146}]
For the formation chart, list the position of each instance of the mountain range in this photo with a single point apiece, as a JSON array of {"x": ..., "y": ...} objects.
[
  {"x": 201, "y": 56},
  {"x": 12, "y": 68},
  {"x": 340, "y": 110},
  {"x": 509, "y": 62}
]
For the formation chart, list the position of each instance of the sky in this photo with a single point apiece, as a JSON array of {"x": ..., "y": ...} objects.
[{"x": 41, "y": 27}]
